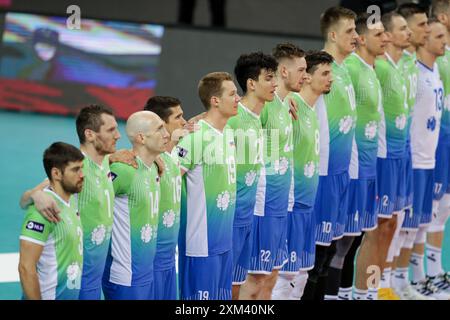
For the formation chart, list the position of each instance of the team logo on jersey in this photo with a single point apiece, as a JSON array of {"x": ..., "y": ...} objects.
[
  {"x": 345, "y": 124},
  {"x": 98, "y": 235},
  {"x": 250, "y": 178},
  {"x": 169, "y": 218},
  {"x": 281, "y": 166},
  {"x": 309, "y": 169},
  {"x": 431, "y": 123},
  {"x": 400, "y": 122},
  {"x": 35, "y": 226},
  {"x": 181, "y": 152},
  {"x": 371, "y": 130},
  {"x": 428, "y": 82},
  {"x": 308, "y": 122},
  {"x": 73, "y": 273},
  {"x": 146, "y": 233},
  {"x": 223, "y": 200}
]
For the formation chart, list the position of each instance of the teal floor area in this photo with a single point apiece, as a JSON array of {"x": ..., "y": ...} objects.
[{"x": 24, "y": 136}]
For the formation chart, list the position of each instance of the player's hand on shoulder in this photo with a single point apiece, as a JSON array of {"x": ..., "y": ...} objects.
[
  {"x": 46, "y": 205},
  {"x": 197, "y": 118},
  {"x": 124, "y": 156},
  {"x": 293, "y": 108},
  {"x": 160, "y": 164}
]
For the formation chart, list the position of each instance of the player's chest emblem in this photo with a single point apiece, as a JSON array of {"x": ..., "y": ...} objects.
[
  {"x": 308, "y": 122},
  {"x": 428, "y": 82}
]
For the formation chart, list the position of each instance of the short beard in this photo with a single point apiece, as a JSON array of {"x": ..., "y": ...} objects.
[
  {"x": 100, "y": 149},
  {"x": 70, "y": 188}
]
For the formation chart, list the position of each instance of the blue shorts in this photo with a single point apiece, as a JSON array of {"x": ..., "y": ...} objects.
[
  {"x": 268, "y": 245},
  {"x": 390, "y": 186},
  {"x": 423, "y": 200},
  {"x": 242, "y": 250},
  {"x": 300, "y": 239},
  {"x": 165, "y": 284},
  {"x": 330, "y": 208},
  {"x": 90, "y": 294},
  {"x": 442, "y": 171},
  {"x": 206, "y": 278},
  {"x": 406, "y": 187},
  {"x": 361, "y": 206},
  {"x": 118, "y": 292}
]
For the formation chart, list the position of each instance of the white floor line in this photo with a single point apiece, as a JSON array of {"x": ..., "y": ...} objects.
[{"x": 8, "y": 267}]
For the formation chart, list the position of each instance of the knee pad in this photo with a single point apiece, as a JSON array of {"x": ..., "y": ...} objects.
[
  {"x": 410, "y": 236},
  {"x": 300, "y": 282},
  {"x": 400, "y": 243},
  {"x": 400, "y": 219},
  {"x": 440, "y": 215},
  {"x": 342, "y": 247},
  {"x": 392, "y": 249},
  {"x": 421, "y": 235}
]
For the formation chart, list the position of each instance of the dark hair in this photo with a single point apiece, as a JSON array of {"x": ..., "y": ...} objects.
[
  {"x": 439, "y": 6},
  {"x": 249, "y": 66},
  {"x": 433, "y": 20},
  {"x": 162, "y": 106},
  {"x": 211, "y": 85},
  {"x": 90, "y": 117},
  {"x": 361, "y": 23},
  {"x": 387, "y": 19},
  {"x": 58, "y": 155},
  {"x": 287, "y": 50},
  {"x": 316, "y": 58},
  {"x": 407, "y": 10},
  {"x": 331, "y": 16},
  {"x": 46, "y": 35}
]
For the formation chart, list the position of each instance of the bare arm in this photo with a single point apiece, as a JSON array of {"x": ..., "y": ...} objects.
[
  {"x": 160, "y": 164},
  {"x": 44, "y": 203},
  {"x": 124, "y": 156},
  {"x": 27, "y": 199},
  {"x": 197, "y": 118},
  {"x": 29, "y": 256}
]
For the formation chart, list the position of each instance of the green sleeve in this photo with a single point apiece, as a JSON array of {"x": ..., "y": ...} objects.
[
  {"x": 36, "y": 227},
  {"x": 233, "y": 122},
  {"x": 122, "y": 175}
]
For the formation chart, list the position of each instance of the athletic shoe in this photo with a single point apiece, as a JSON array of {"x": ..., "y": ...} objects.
[
  {"x": 442, "y": 281},
  {"x": 427, "y": 288},
  {"x": 409, "y": 293}
]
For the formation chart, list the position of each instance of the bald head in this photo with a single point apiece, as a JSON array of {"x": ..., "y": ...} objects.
[{"x": 142, "y": 122}]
